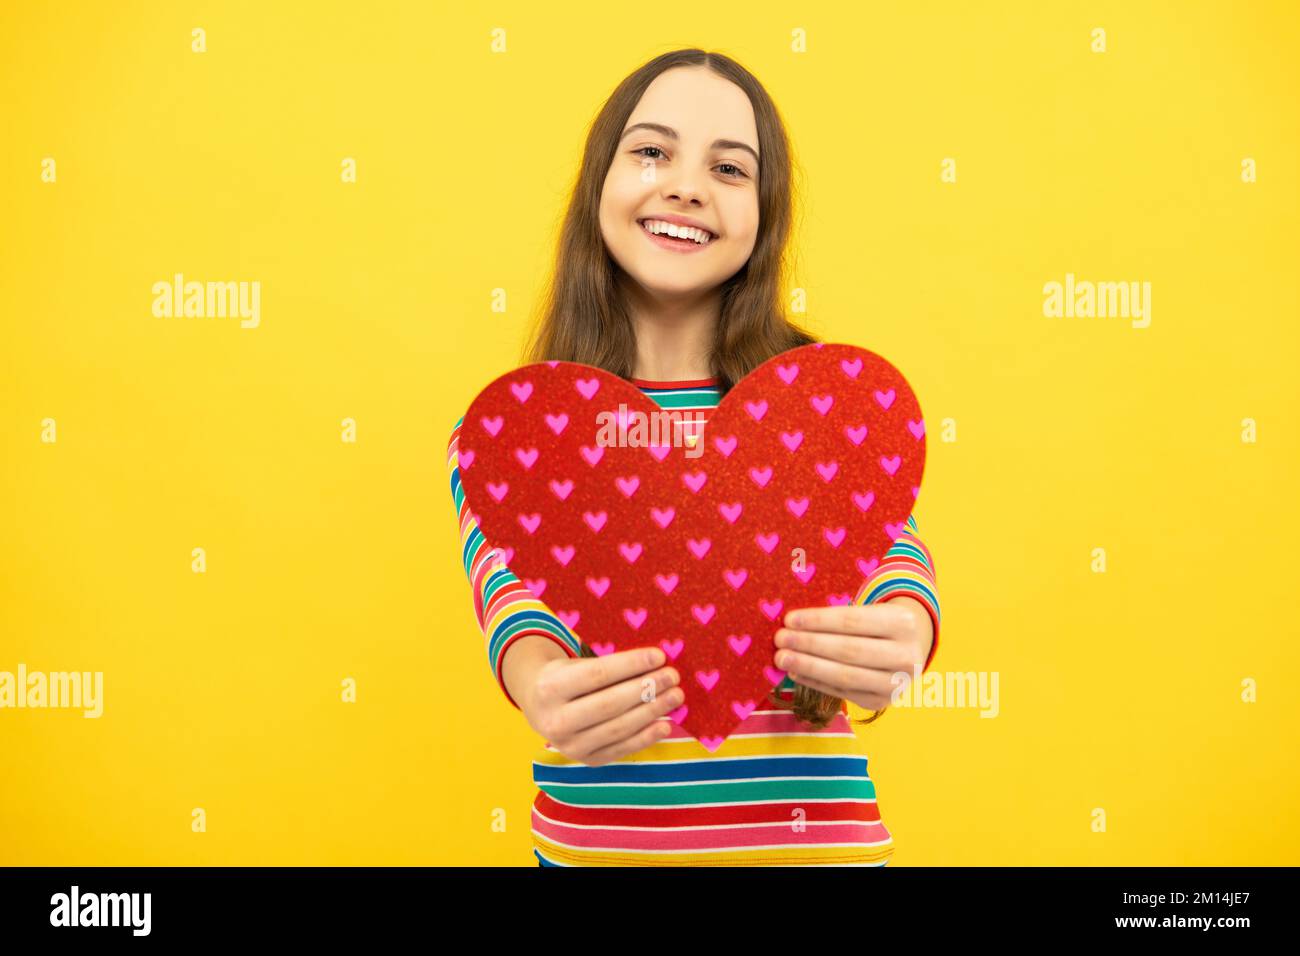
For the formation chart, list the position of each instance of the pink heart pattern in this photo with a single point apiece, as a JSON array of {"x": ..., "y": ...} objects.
[{"x": 812, "y": 466}]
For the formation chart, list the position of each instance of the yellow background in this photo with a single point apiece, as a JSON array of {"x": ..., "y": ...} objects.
[{"x": 328, "y": 560}]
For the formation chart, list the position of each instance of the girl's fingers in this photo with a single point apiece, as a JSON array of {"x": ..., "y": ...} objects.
[
  {"x": 863, "y": 620},
  {"x": 648, "y": 736},
  {"x": 824, "y": 688},
  {"x": 845, "y": 694},
  {"x": 584, "y": 675},
  {"x": 873, "y": 653},
  {"x": 608, "y": 703},
  {"x": 600, "y": 742},
  {"x": 831, "y": 673}
]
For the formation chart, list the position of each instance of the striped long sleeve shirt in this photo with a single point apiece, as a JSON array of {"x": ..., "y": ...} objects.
[{"x": 777, "y": 792}]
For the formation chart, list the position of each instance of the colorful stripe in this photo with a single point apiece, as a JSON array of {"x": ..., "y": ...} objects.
[{"x": 777, "y": 792}]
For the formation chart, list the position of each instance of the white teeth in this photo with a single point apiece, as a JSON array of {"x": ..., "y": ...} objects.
[{"x": 660, "y": 228}]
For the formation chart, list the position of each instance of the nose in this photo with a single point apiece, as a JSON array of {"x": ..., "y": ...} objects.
[{"x": 683, "y": 187}]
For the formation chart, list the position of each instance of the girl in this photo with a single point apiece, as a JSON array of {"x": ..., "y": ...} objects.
[{"x": 668, "y": 274}]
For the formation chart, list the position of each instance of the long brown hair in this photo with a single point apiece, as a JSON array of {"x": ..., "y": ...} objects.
[{"x": 586, "y": 319}]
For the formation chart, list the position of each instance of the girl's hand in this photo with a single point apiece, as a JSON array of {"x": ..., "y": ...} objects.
[
  {"x": 853, "y": 651},
  {"x": 598, "y": 709}
]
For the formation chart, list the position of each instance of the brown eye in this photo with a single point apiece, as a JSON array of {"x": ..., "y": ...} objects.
[
  {"x": 739, "y": 173},
  {"x": 641, "y": 151}
]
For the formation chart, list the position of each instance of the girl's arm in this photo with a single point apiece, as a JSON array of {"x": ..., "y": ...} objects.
[
  {"x": 546, "y": 655},
  {"x": 907, "y": 570},
  {"x": 508, "y": 614}
]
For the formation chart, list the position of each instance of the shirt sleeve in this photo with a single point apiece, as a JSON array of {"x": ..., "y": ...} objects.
[
  {"x": 505, "y": 608},
  {"x": 907, "y": 569}
]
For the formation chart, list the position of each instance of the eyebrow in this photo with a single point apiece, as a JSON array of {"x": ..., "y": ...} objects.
[{"x": 672, "y": 134}]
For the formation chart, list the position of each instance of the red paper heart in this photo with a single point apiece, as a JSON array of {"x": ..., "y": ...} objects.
[{"x": 821, "y": 448}]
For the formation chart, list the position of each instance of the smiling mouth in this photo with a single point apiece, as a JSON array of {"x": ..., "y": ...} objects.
[{"x": 686, "y": 238}]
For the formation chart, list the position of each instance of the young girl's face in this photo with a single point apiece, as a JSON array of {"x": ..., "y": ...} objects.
[{"x": 698, "y": 160}]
